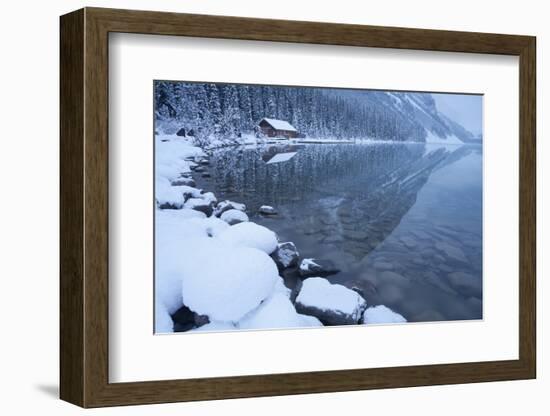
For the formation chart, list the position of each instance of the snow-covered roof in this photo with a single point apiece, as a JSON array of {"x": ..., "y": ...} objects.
[{"x": 279, "y": 124}]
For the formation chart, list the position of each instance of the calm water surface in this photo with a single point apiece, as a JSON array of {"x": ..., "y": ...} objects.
[{"x": 402, "y": 221}]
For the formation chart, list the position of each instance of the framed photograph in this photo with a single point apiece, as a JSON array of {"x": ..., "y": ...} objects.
[{"x": 255, "y": 207}]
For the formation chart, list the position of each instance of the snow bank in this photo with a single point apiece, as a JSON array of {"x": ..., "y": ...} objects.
[
  {"x": 234, "y": 216},
  {"x": 163, "y": 321},
  {"x": 249, "y": 234},
  {"x": 166, "y": 195},
  {"x": 332, "y": 303},
  {"x": 382, "y": 315},
  {"x": 275, "y": 312},
  {"x": 170, "y": 152},
  {"x": 225, "y": 282}
]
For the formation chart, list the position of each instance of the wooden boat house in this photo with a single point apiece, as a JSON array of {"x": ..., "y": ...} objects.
[{"x": 277, "y": 128}]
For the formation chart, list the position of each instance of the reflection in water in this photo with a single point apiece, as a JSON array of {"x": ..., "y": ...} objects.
[{"x": 402, "y": 221}]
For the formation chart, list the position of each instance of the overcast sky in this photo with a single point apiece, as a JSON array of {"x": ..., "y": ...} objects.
[{"x": 467, "y": 110}]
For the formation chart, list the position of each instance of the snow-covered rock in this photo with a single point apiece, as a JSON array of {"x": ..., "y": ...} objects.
[
  {"x": 167, "y": 196},
  {"x": 234, "y": 216},
  {"x": 215, "y": 326},
  {"x": 184, "y": 181},
  {"x": 333, "y": 304},
  {"x": 249, "y": 234},
  {"x": 225, "y": 282},
  {"x": 275, "y": 312},
  {"x": 187, "y": 191},
  {"x": 281, "y": 288},
  {"x": 200, "y": 204},
  {"x": 382, "y": 315},
  {"x": 317, "y": 267},
  {"x": 308, "y": 320},
  {"x": 209, "y": 198},
  {"x": 267, "y": 210},
  {"x": 286, "y": 255},
  {"x": 212, "y": 225},
  {"x": 226, "y": 206}
]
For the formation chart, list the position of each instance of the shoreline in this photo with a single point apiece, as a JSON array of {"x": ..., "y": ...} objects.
[{"x": 182, "y": 206}]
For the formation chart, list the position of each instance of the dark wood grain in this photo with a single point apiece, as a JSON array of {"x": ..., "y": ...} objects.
[
  {"x": 71, "y": 100},
  {"x": 84, "y": 207}
]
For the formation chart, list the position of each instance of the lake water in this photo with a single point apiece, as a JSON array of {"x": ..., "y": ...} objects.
[{"x": 402, "y": 221}]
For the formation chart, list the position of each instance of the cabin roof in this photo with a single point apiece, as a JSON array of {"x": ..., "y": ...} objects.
[{"x": 279, "y": 124}]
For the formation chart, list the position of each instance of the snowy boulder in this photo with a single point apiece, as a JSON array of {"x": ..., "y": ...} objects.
[
  {"x": 308, "y": 320},
  {"x": 224, "y": 282},
  {"x": 206, "y": 175},
  {"x": 184, "y": 181},
  {"x": 286, "y": 255},
  {"x": 382, "y": 315},
  {"x": 249, "y": 234},
  {"x": 212, "y": 226},
  {"x": 198, "y": 169},
  {"x": 267, "y": 210},
  {"x": 275, "y": 312},
  {"x": 167, "y": 197},
  {"x": 332, "y": 304},
  {"x": 204, "y": 162},
  {"x": 187, "y": 191},
  {"x": 234, "y": 216},
  {"x": 315, "y": 267},
  {"x": 226, "y": 205},
  {"x": 200, "y": 204}
]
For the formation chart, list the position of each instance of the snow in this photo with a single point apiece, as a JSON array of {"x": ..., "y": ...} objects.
[
  {"x": 196, "y": 202},
  {"x": 280, "y": 124},
  {"x": 234, "y": 216},
  {"x": 281, "y": 288},
  {"x": 167, "y": 194},
  {"x": 212, "y": 225},
  {"x": 215, "y": 326},
  {"x": 187, "y": 190},
  {"x": 307, "y": 264},
  {"x": 249, "y": 234},
  {"x": 320, "y": 293},
  {"x": 163, "y": 321},
  {"x": 281, "y": 157},
  {"x": 433, "y": 138},
  {"x": 225, "y": 282},
  {"x": 170, "y": 155},
  {"x": 275, "y": 312},
  {"x": 382, "y": 315},
  {"x": 309, "y": 321}
]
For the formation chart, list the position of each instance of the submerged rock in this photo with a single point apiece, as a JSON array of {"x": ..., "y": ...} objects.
[
  {"x": 286, "y": 255},
  {"x": 332, "y": 304},
  {"x": 315, "y": 267},
  {"x": 267, "y": 210},
  {"x": 234, "y": 216},
  {"x": 451, "y": 251},
  {"x": 465, "y": 283}
]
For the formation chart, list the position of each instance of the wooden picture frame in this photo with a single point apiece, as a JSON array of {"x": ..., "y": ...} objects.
[{"x": 84, "y": 207}]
